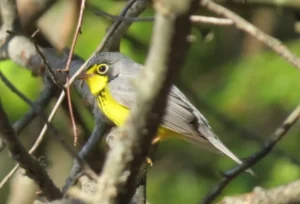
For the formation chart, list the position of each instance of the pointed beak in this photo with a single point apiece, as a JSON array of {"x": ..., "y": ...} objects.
[{"x": 83, "y": 76}]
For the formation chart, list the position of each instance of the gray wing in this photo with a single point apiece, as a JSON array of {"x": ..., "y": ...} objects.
[{"x": 179, "y": 115}]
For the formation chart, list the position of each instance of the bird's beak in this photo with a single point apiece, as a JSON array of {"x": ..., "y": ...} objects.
[{"x": 83, "y": 76}]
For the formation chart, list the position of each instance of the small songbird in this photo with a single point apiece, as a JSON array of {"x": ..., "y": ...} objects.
[{"x": 110, "y": 75}]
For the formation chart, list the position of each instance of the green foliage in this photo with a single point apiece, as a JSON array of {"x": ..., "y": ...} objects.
[
  {"x": 26, "y": 83},
  {"x": 267, "y": 78}
]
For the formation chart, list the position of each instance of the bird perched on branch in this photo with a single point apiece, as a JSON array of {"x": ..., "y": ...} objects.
[{"x": 110, "y": 75}]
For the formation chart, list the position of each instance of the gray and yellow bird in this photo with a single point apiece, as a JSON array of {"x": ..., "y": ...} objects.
[{"x": 110, "y": 75}]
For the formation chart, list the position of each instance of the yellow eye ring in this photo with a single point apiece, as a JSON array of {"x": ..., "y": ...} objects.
[{"x": 102, "y": 69}]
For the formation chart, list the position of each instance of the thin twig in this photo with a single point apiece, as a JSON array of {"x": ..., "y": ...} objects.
[
  {"x": 97, "y": 11},
  {"x": 9, "y": 175},
  {"x": 78, "y": 28},
  {"x": 45, "y": 61},
  {"x": 211, "y": 20},
  {"x": 247, "y": 27},
  {"x": 67, "y": 69},
  {"x": 278, "y": 134},
  {"x": 77, "y": 115},
  {"x": 75, "y": 131},
  {"x": 194, "y": 18}
]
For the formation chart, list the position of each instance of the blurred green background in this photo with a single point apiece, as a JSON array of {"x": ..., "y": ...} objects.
[{"x": 244, "y": 90}]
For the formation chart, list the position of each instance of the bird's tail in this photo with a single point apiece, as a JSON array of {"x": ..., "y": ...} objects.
[{"x": 215, "y": 145}]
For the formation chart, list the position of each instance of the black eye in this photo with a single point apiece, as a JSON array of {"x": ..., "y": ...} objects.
[{"x": 102, "y": 69}]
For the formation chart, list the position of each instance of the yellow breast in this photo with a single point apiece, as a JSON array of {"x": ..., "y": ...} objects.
[{"x": 116, "y": 112}]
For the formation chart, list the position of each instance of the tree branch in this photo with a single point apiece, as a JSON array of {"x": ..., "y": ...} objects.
[
  {"x": 33, "y": 169},
  {"x": 283, "y": 3},
  {"x": 194, "y": 18},
  {"x": 247, "y": 27},
  {"x": 117, "y": 182},
  {"x": 288, "y": 193},
  {"x": 279, "y": 133}
]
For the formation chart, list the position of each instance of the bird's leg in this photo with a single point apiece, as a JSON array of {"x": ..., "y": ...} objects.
[
  {"x": 156, "y": 140},
  {"x": 149, "y": 161}
]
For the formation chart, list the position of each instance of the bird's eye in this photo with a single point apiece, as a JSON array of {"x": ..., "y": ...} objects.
[{"x": 102, "y": 69}]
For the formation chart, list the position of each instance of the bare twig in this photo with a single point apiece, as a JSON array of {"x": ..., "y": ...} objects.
[
  {"x": 67, "y": 69},
  {"x": 256, "y": 157},
  {"x": 97, "y": 11},
  {"x": 46, "y": 64},
  {"x": 9, "y": 175},
  {"x": 117, "y": 181},
  {"x": 193, "y": 18},
  {"x": 33, "y": 169},
  {"x": 278, "y": 4},
  {"x": 288, "y": 193},
  {"x": 211, "y": 20},
  {"x": 77, "y": 115},
  {"x": 78, "y": 27},
  {"x": 247, "y": 27}
]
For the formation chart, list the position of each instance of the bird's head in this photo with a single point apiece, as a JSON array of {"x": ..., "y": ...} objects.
[{"x": 101, "y": 69}]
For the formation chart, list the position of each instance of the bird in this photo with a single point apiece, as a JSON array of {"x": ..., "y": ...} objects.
[{"x": 110, "y": 75}]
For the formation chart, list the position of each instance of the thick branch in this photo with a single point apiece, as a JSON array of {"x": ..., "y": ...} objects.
[
  {"x": 255, "y": 32},
  {"x": 278, "y": 134},
  {"x": 276, "y": 3},
  {"x": 33, "y": 169},
  {"x": 117, "y": 182},
  {"x": 289, "y": 193}
]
